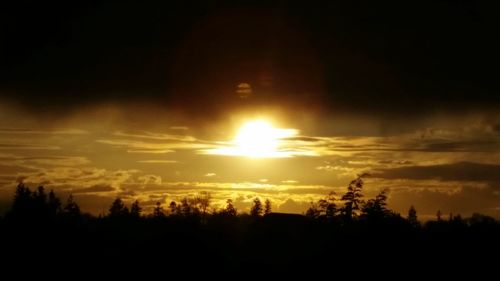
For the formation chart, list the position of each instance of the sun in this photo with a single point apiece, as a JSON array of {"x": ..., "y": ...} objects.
[{"x": 257, "y": 139}]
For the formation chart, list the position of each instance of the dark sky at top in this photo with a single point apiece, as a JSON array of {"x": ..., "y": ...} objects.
[{"x": 392, "y": 58}]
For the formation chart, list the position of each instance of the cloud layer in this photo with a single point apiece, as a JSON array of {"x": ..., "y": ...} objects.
[{"x": 432, "y": 167}]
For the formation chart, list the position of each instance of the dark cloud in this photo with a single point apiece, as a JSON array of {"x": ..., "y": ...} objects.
[
  {"x": 462, "y": 171},
  {"x": 304, "y": 139},
  {"x": 457, "y": 146},
  {"x": 397, "y": 162},
  {"x": 10, "y": 169},
  {"x": 19, "y": 146},
  {"x": 382, "y": 58},
  {"x": 471, "y": 143}
]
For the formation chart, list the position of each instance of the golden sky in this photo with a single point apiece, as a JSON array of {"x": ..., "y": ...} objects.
[{"x": 450, "y": 164}]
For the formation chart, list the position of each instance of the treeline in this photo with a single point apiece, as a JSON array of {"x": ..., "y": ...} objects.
[
  {"x": 351, "y": 207},
  {"x": 347, "y": 230},
  {"x": 36, "y": 205}
]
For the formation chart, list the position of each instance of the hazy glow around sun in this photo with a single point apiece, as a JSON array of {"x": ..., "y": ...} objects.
[{"x": 257, "y": 139}]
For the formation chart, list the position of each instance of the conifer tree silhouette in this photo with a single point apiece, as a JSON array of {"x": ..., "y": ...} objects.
[
  {"x": 353, "y": 198},
  {"x": 158, "y": 211},
  {"x": 71, "y": 208},
  {"x": 229, "y": 210},
  {"x": 267, "y": 207},
  {"x": 135, "y": 209},
  {"x": 118, "y": 208},
  {"x": 412, "y": 216},
  {"x": 256, "y": 209}
]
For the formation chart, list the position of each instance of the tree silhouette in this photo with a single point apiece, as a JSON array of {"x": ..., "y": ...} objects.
[
  {"x": 22, "y": 206},
  {"x": 352, "y": 198},
  {"x": 230, "y": 210},
  {"x": 256, "y": 209},
  {"x": 54, "y": 204},
  {"x": 174, "y": 208},
  {"x": 376, "y": 208},
  {"x": 135, "y": 209},
  {"x": 187, "y": 208},
  {"x": 40, "y": 196},
  {"x": 457, "y": 220},
  {"x": 34, "y": 206},
  {"x": 267, "y": 207},
  {"x": 438, "y": 215},
  {"x": 480, "y": 219},
  {"x": 327, "y": 206},
  {"x": 202, "y": 201},
  {"x": 118, "y": 208},
  {"x": 412, "y": 216},
  {"x": 71, "y": 209},
  {"x": 324, "y": 208},
  {"x": 40, "y": 207},
  {"x": 313, "y": 211},
  {"x": 158, "y": 211}
]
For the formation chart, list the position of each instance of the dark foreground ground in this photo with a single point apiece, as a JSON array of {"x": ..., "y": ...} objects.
[{"x": 277, "y": 243}]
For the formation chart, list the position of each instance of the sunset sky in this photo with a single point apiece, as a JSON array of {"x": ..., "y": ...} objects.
[{"x": 285, "y": 101}]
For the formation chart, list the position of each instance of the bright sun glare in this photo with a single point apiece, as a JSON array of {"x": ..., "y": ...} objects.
[{"x": 257, "y": 139}]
